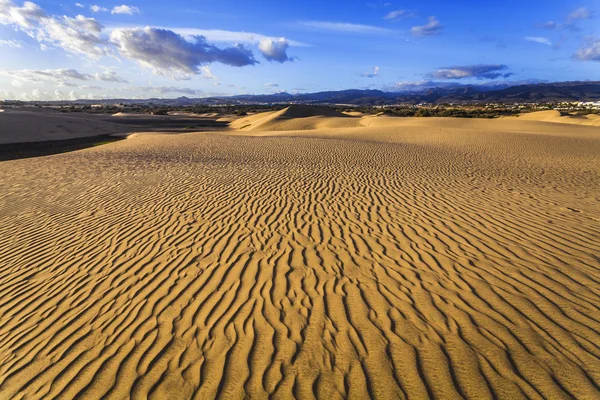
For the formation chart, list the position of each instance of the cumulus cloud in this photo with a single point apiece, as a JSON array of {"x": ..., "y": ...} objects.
[
  {"x": 432, "y": 28},
  {"x": 373, "y": 74},
  {"x": 480, "y": 71},
  {"x": 26, "y": 17},
  {"x": 591, "y": 52},
  {"x": 219, "y": 35},
  {"x": 207, "y": 73},
  {"x": 275, "y": 50},
  {"x": 125, "y": 9},
  {"x": 98, "y": 9},
  {"x": 398, "y": 14},
  {"x": 7, "y": 95},
  {"x": 167, "y": 53},
  {"x": 74, "y": 34},
  {"x": 109, "y": 76},
  {"x": 79, "y": 5},
  {"x": 77, "y": 35},
  {"x": 164, "y": 51}
]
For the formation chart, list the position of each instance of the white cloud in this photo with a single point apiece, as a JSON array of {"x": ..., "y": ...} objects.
[
  {"x": 271, "y": 85},
  {"x": 7, "y": 95},
  {"x": 98, "y": 9},
  {"x": 25, "y": 17},
  {"x": 59, "y": 76},
  {"x": 433, "y": 27},
  {"x": 207, "y": 73},
  {"x": 167, "y": 53},
  {"x": 53, "y": 75},
  {"x": 77, "y": 35},
  {"x": 571, "y": 20},
  {"x": 344, "y": 27},
  {"x": 79, "y": 5},
  {"x": 551, "y": 25},
  {"x": 398, "y": 14},
  {"x": 581, "y": 13},
  {"x": 275, "y": 50},
  {"x": 479, "y": 71},
  {"x": 217, "y": 35},
  {"x": 591, "y": 52},
  {"x": 37, "y": 94},
  {"x": 125, "y": 9},
  {"x": 15, "y": 44},
  {"x": 537, "y": 39},
  {"x": 109, "y": 76},
  {"x": 421, "y": 85},
  {"x": 373, "y": 74}
]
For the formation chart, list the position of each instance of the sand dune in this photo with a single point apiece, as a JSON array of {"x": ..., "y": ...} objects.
[
  {"x": 37, "y": 125},
  {"x": 410, "y": 258},
  {"x": 296, "y": 117},
  {"x": 23, "y": 127},
  {"x": 556, "y": 116}
]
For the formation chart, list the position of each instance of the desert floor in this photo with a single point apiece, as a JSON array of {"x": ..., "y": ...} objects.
[{"x": 348, "y": 257}]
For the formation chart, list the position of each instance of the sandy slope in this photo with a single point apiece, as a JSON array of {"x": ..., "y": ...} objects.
[
  {"x": 555, "y": 116},
  {"x": 296, "y": 118},
  {"x": 38, "y": 125},
  {"x": 410, "y": 259}
]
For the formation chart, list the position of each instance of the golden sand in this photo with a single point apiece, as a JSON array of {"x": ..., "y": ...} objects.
[{"x": 350, "y": 258}]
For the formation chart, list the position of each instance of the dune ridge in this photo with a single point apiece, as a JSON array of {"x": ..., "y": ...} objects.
[
  {"x": 414, "y": 259},
  {"x": 557, "y": 117},
  {"x": 38, "y": 125},
  {"x": 296, "y": 117}
]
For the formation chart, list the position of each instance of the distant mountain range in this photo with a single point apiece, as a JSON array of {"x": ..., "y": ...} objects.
[{"x": 539, "y": 92}]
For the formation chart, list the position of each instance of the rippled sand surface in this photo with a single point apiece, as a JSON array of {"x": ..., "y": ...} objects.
[{"x": 408, "y": 259}]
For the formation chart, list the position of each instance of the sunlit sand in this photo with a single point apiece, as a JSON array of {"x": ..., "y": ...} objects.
[{"x": 307, "y": 253}]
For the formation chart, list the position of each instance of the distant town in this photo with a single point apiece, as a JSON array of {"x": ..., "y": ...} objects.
[{"x": 460, "y": 110}]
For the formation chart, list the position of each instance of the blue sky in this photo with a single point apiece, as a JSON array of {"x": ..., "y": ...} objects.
[{"x": 139, "y": 49}]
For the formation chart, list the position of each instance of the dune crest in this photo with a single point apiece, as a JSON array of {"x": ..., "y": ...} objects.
[
  {"x": 315, "y": 118},
  {"x": 556, "y": 116},
  {"x": 295, "y": 118}
]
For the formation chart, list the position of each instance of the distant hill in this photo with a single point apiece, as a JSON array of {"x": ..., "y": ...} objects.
[{"x": 540, "y": 92}]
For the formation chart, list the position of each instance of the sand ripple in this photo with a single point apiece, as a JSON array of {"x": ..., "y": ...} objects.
[{"x": 456, "y": 265}]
